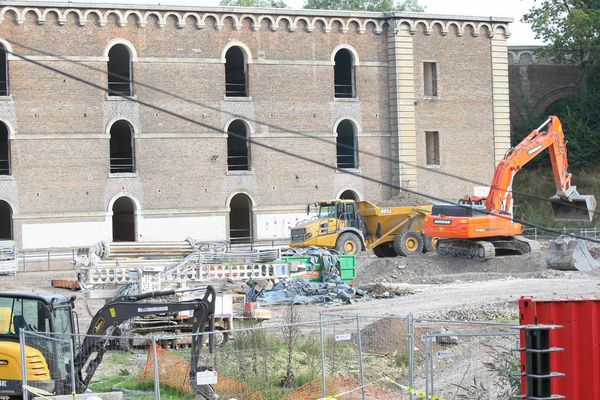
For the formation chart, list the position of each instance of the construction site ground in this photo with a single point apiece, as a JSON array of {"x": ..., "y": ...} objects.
[{"x": 427, "y": 286}]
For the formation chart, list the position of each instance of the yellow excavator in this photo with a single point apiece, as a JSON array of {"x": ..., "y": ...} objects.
[{"x": 48, "y": 314}]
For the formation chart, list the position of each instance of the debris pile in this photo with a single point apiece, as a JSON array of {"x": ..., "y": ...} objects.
[
  {"x": 297, "y": 290},
  {"x": 8, "y": 257}
]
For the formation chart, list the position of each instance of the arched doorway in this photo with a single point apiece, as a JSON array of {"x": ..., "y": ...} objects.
[
  {"x": 240, "y": 219},
  {"x": 6, "y": 226},
  {"x": 349, "y": 195},
  {"x": 123, "y": 220}
]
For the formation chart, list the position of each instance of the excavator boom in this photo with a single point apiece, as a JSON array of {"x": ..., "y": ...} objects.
[{"x": 467, "y": 230}]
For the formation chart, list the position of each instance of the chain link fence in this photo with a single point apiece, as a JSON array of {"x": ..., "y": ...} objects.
[{"x": 340, "y": 355}]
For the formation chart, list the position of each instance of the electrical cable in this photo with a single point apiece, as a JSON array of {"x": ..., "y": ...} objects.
[
  {"x": 288, "y": 153},
  {"x": 313, "y": 137}
]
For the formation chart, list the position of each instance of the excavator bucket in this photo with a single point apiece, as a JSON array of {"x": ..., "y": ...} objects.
[
  {"x": 568, "y": 254},
  {"x": 575, "y": 207}
]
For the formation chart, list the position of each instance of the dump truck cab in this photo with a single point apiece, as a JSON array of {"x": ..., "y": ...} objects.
[
  {"x": 333, "y": 218},
  {"x": 34, "y": 312}
]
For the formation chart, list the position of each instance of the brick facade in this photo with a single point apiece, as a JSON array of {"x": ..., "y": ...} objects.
[{"x": 61, "y": 190}]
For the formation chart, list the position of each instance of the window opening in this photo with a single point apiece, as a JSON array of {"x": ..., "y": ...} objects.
[
  {"x": 238, "y": 158},
  {"x": 6, "y": 225},
  {"x": 344, "y": 74},
  {"x": 430, "y": 79},
  {"x": 432, "y": 148},
  {"x": 119, "y": 71},
  {"x": 121, "y": 148},
  {"x": 4, "y": 150},
  {"x": 123, "y": 220},
  {"x": 3, "y": 71},
  {"x": 240, "y": 219},
  {"x": 236, "y": 73},
  {"x": 347, "y": 156},
  {"x": 349, "y": 195}
]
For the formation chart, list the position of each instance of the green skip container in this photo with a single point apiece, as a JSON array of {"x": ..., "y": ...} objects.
[{"x": 346, "y": 268}]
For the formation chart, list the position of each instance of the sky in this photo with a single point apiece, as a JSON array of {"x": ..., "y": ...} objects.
[{"x": 521, "y": 34}]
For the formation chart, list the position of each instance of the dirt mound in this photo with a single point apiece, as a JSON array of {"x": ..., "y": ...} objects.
[{"x": 431, "y": 268}]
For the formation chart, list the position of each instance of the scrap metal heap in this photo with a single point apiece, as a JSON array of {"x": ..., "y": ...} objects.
[
  {"x": 109, "y": 270},
  {"x": 8, "y": 257}
]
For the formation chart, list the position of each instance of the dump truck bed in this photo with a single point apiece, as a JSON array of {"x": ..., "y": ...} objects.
[{"x": 384, "y": 223}]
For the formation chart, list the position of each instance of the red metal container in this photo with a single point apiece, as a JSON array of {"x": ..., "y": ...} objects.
[{"x": 579, "y": 337}]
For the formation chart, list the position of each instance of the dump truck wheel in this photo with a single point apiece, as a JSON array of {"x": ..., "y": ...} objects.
[
  {"x": 408, "y": 244},
  {"x": 348, "y": 243},
  {"x": 430, "y": 244},
  {"x": 384, "y": 250}
]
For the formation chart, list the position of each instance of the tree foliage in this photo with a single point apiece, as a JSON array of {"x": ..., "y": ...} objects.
[
  {"x": 570, "y": 28},
  {"x": 365, "y": 5},
  {"x": 571, "y": 32},
  {"x": 255, "y": 3}
]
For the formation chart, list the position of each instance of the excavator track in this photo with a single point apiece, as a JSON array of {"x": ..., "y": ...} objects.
[
  {"x": 485, "y": 250},
  {"x": 470, "y": 249}
]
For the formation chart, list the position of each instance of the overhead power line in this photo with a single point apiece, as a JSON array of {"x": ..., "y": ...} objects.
[
  {"x": 286, "y": 152},
  {"x": 286, "y": 130}
]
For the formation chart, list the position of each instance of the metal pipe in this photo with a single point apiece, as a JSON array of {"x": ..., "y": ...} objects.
[
  {"x": 156, "y": 378},
  {"x": 360, "y": 358},
  {"x": 324, "y": 389},
  {"x": 23, "y": 365}
]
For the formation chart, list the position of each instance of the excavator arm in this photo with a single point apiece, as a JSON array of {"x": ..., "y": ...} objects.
[
  {"x": 567, "y": 204},
  {"x": 124, "y": 308}
]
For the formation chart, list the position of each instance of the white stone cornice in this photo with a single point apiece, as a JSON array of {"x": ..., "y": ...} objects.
[{"x": 348, "y": 21}]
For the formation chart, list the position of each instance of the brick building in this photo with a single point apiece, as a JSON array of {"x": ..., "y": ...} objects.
[{"x": 396, "y": 97}]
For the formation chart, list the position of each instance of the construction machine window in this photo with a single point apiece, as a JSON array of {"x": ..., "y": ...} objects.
[
  {"x": 347, "y": 152},
  {"x": 238, "y": 154},
  {"x": 121, "y": 148},
  {"x": 3, "y": 72},
  {"x": 120, "y": 82},
  {"x": 4, "y": 150},
  {"x": 343, "y": 71},
  {"x": 236, "y": 73},
  {"x": 6, "y": 229},
  {"x": 62, "y": 320},
  {"x": 430, "y": 79},
  {"x": 327, "y": 211},
  {"x": 432, "y": 148},
  {"x": 17, "y": 314}
]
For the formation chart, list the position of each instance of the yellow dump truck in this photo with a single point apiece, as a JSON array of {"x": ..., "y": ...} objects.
[{"x": 351, "y": 226}]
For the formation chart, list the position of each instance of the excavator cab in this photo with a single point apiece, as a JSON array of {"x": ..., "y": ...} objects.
[
  {"x": 45, "y": 313},
  {"x": 573, "y": 206}
]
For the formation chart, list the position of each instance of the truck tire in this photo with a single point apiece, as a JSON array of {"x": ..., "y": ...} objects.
[
  {"x": 409, "y": 244},
  {"x": 348, "y": 243},
  {"x": 384, "y": 250},
  {"x": 430, "y": 244}
]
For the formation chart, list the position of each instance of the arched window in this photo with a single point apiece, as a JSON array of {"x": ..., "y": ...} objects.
[
  {"x": 3, "y": 71},
  {"x": 121, "y": 148},
  {"x": 236, "y": 73},
  {"x": 343, "y": 72},
  {"x": 240, "y": 219},
  {"x": 4, "y": 150},
  {"x": 238, "y": 154},
  {"x": 6, "y": 226},
  {"x": 349, "y": 195},
  {"x": 123, "y": 220},
  {"x": 119, "y": 71},
  {"x": 347, "y": 147}
]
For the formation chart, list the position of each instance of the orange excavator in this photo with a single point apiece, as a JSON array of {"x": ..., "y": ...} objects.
[{"x": 481, "y": 232}]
